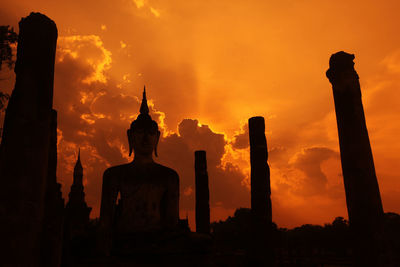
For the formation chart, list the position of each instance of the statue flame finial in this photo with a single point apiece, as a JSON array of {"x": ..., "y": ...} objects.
[{"x": 144, "y": 109}]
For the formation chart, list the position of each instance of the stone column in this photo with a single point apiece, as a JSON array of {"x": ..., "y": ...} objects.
[
  {"x": 24, "y": 151},
  {"x": 260, "y": 177},
  {"x": 51, "y": 247},
  {"x": 202, "y": 193},
  {"x": 260, "y": 248},
  {"x": 363, "y": 199}
]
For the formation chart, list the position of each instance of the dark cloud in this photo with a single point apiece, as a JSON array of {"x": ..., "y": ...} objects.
[
  {"x": 225, "y": 181},
  {"x": 241, "y": 140},
  {"x": 117, "y": 106},
  {"x": 227, "y": 187},
  {"x": 309, "y": 162},
  {"x": 203, "y": 138}
]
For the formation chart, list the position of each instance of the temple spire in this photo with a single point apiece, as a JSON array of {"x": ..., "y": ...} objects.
[
  {"x": 78, "y": 164},
  {"x": 78, "y": 170},
  {"x": 76, "y": 211},
  {"x": 144, "y": 109}
]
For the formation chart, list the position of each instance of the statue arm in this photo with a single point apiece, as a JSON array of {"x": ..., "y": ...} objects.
[
  {"x": 108, "y": 201},
  {"x": 172, "y": 208}
]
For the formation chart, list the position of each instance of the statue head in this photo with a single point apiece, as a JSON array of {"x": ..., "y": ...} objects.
[{"x": 143, "y": 135}]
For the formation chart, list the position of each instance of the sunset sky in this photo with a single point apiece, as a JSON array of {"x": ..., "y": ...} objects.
[{"x": 208, "y": 67}]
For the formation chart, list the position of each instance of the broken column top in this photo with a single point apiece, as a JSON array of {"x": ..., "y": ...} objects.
[
  {"x": 37, "y": 40},
  {"x": 200, "y": 160},
  {"x": 257, "y": 122},
  {"x": 37, "y": 17},
  {"x": 41, "y": 23},
  {"x": 340, "y": 63},
  {"x": 200, "y": 153}
]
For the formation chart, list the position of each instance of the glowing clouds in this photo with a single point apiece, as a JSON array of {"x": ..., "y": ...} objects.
[
  {"x": 241, "y": 139},
  {"x": 142, "y": 3},
  {"x": 225, "y": 178},
  {"x": 123, "y": 44},
  {"x": 309, "y": 162},
  {"x": 139, "y": 3},
  {"x": 88, "y": 46},
  {"x": 155, "y": 12}
]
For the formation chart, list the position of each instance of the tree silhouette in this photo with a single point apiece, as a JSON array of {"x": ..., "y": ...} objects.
[
  {"x": 7, "y": 38},
  {"x": 3, "y": 99}
]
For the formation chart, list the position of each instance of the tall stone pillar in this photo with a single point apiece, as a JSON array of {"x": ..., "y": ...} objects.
[
  {"x": 260, "y": 176},
  {"x": 261, "y": 247},
  {"x": 363, "y": 199},
  {"x": 51, "y": 246},
  {"x": 24, "y": 151},
  {"x": 202, "y": 193}
]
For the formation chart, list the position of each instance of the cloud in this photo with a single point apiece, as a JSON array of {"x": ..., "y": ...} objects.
[
  {"x": 142, "y": 3},
  {"x": 309, "y": 162},
  {"x": 225, "y": 179},
  {"x": 308, "y": 184},
  {"x": 201, "y": 137},
  {"x": 304, "y": 174},
  {"x": 95, "y": 115},
  {"x": 241, "y": 139},
  {"x": 139, "y": 3},
  {"x": 92, "y": 48},
  {"x": 155, "y": 12}
]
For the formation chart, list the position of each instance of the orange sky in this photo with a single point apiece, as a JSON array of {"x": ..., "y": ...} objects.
[{"x": 208, "y": 67}]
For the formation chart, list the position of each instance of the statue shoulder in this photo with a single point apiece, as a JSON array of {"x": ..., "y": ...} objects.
[
  {"x": 115, "y": 171},
  {"x": 170, "y": 173}
]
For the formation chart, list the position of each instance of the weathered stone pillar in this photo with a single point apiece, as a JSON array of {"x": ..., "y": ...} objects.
[
  {"x": 363, "y": 199},
  {"x": 51, "y": 247},
  {"x": 260, "y": 176},
  {"x": 261, "y": 248},
  {"x": 24, "y": 151},
  {"x": 202, "y": 193}
]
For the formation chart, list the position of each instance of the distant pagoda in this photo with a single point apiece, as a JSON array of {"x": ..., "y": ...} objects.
[{"x": 77, "y": 212}]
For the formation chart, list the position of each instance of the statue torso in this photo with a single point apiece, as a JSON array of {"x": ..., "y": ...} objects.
[{"x": 145, "y": 192}]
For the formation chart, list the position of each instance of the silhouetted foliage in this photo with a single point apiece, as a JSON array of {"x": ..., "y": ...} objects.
[
  {"x": 7, "y": 38},
  {"x": 234, "y": 233},
  {"x": 308, "y": 244},
  {"x": 3, "y": 99},
  {"x": 391, "y": 245}
]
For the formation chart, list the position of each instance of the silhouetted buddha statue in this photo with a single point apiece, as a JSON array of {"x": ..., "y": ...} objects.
[{"x": 149, "y": 192}]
